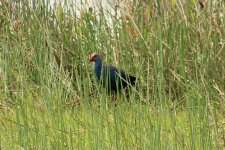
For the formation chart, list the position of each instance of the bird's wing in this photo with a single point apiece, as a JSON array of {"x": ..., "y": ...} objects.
[
  {"x": 125, "y": 78},
  {"x": 109, "y": 71},
  {"x": 116, "y": 74},
  {"x": 116, "y": 78}
]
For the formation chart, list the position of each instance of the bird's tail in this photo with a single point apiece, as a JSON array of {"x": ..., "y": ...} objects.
[{"x": 132, "y": 80}]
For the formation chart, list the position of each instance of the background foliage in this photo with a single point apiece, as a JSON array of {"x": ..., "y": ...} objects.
[{"x": 49, "y": 98}]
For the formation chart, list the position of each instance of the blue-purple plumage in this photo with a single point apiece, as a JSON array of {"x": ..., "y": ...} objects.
[{"x": 112, "y": 78}]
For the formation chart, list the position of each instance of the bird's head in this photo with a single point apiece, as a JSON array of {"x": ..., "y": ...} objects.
[{"x": 94, "y": 57}]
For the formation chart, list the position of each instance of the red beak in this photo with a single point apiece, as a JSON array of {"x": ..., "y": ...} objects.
[{"x": 90, "y": 59}]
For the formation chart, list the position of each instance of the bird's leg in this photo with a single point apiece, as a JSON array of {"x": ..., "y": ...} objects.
[
  {"x": 127, "y": 92},
  {"x": 113, "y": 95}
]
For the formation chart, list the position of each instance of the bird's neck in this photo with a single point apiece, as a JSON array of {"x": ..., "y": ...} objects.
[{"x": 97, "y": 67}]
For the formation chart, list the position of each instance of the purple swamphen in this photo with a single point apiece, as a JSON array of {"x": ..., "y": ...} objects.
[{"x": 112, "y": 78}]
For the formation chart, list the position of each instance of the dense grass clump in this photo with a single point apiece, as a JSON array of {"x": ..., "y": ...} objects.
[{"x": 49, "y": 97}]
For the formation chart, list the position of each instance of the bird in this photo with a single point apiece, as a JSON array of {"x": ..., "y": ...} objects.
[{"x": 112, "y": 78}]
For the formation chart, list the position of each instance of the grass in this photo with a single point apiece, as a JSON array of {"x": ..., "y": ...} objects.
[{"x": 176, "y": 52}]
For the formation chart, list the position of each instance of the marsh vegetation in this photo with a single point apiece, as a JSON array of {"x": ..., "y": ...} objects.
[{"x": 50, "y": 99}]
